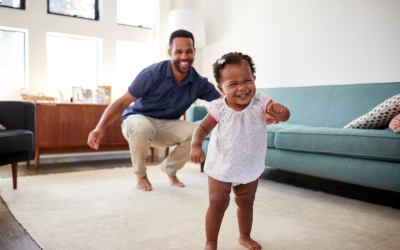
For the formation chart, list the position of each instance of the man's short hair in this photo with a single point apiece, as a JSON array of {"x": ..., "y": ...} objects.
[{"x": 180, "y": 33}]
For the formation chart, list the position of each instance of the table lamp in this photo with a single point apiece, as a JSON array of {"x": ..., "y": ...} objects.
[{"x": 190, "y": 20}]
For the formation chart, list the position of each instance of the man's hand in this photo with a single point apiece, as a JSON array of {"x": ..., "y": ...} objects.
[
  {"x": 270, "y": 120},
  {"x": 197, "y": 155},
  {"x": 94, "y": 138}
]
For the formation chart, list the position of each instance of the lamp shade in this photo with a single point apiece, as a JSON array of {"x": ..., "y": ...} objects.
[{"x": 190, "y": 20}]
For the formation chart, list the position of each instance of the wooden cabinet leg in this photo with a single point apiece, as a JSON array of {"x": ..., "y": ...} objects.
[
  {"x": 14, "y": 168},
  {"x": 37, "y": 159},
  {"x": 202, "y": 166},
  {"x": 152, "y": 154},
  {"x": 166, "y": 151}
]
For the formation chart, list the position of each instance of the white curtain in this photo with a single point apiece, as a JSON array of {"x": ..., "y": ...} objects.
[{"x": 161, "y": 12}]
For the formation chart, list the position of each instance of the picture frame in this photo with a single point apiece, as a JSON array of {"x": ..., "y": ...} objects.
[
  {"x": 77, "y": 94},
  {"x": 103, "y": 95},
  {"x": 87, "y": 96}
]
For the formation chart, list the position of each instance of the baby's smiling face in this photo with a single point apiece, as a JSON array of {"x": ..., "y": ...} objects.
[{"x": 238, "y": 85}]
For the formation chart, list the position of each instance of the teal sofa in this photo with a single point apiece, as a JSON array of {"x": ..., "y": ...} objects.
[{"x": 313, "y": 140}]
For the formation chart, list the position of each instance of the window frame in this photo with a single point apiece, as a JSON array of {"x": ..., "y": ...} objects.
[
  {"x": 23, "y": 6},
  {"x": 99, "y": 51},
  {"x": 26, "y": 54},
  {"x": 96, "y": 12},
  {"x": 130, "y": 25}
]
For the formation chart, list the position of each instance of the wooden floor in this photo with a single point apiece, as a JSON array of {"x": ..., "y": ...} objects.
[{"x": 14, "y": 237}]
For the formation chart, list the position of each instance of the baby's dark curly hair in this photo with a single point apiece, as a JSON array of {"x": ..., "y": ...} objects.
[{"x": 231, "y": 58}]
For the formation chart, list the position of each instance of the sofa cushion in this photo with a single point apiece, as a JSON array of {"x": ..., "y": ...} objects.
[
  {"x": 308, "y": 105},
  {"x": 15, "y": 140},
  {"x": 271, "y": 132},
  {"x": 395, "y": 124},
  {"x": 380, "y": 116},
  {"x": 272, "y": 128},
  {"x": 360, "y": 143}
]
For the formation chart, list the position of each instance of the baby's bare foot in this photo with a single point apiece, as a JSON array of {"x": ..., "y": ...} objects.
[
  {"x": 211, "y": 246},
  {"x": 173, "y": 179},
  {"x": 248, "y": 242},
  {"x": 143, "y": 183}
]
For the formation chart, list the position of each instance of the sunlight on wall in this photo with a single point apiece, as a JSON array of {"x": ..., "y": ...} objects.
[
  {"x": 132, "y": 58},
  {"x": 306, "y": 43}
]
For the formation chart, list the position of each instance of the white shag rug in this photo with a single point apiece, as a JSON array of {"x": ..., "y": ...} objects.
[{"x": 102, "y": 209}]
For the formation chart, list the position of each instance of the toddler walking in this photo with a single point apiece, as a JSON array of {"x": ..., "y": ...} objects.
[{"x": 237, "y": 146}]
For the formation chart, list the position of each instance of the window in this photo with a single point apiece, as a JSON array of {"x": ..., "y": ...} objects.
[
  {"x": 136, "y": 13},
  {"x": 131, "y": 59},
  {"x": 73, "y": 61},
  {"x": 13, "y": 58},
  {"x": 16, "y": 4},
  {"x": 88, "y": 9}
]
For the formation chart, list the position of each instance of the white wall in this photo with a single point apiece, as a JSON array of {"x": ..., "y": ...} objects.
[
  {"x": 305, "y": 42},
  {"x": 293, "y": 42},
  {"x": 38, "y": 22}
]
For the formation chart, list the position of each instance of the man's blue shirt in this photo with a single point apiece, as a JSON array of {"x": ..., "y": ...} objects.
[{"x": 160, "y": 96}]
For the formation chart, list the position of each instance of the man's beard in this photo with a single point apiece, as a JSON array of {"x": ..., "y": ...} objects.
[{"x": 176, "y": 63}]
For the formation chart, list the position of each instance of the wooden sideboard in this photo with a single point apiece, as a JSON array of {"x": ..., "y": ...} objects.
[{"x": 64, "y": 128}]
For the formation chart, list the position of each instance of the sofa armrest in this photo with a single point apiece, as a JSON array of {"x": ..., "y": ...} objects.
[
  {"x": 195, "y": 113},
  {"x": 19, "y": 115}
]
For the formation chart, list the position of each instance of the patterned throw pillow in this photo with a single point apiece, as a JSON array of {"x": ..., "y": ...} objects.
[
  {"x": 380, "y": 116},
  {"x": 395, "y": 124}
]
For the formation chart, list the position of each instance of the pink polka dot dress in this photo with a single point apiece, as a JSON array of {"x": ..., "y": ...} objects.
[{"x": 238, "y": 143}]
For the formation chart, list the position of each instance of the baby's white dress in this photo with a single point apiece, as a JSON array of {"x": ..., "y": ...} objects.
[{"x": 238, "y": 143}]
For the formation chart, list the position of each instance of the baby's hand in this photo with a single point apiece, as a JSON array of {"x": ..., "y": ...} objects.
[
  {"x": 197, "y": 155},
  {"x": 276, "y": 109},
  {"x": 269, "y": 119}
]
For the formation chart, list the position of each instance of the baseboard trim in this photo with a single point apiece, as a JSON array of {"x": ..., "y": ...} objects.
[
  {"x": 77, "y": 157},
  {"x": 93, "y": 156}
]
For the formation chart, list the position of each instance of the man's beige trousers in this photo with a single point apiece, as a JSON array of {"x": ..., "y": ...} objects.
[{"x": 142, "y": 132}]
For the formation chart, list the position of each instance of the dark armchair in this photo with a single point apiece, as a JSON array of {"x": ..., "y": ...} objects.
[{"x": 17, "y": 142}]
